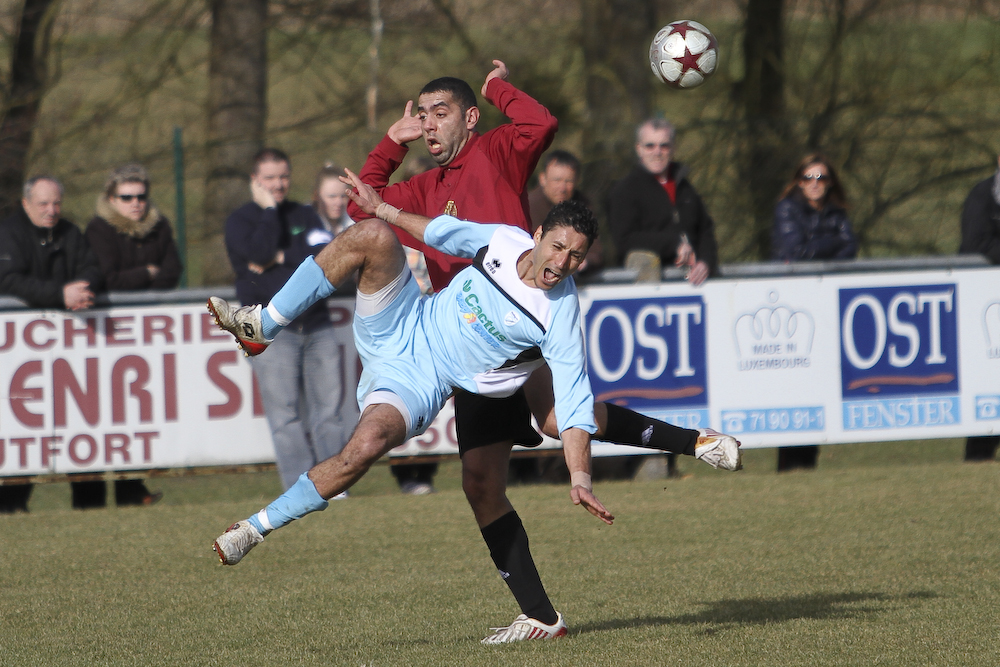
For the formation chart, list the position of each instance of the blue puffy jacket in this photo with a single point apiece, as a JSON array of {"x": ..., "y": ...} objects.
[{"x": 803, "y": 233}]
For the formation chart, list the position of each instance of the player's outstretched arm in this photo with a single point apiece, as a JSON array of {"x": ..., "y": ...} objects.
[
  {"x": 576, "y": 449},
  {"x": 372, "y": 204}
]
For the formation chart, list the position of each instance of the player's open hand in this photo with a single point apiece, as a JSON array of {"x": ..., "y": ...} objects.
[
  {"x": 360, "y": 193},
  {"x": 500, "y": 71},
  {"x": 581, "y": 495},
  {"x": 407, "y": 128}
]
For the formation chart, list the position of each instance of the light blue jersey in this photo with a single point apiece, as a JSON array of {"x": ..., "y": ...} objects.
[{"x": 484, "y": 333}]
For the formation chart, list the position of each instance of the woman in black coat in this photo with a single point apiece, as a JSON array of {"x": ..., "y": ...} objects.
[
  {"x": 810, "y": 221},
  {"x": 136, "y": 251},
  {"x": 133, "y": 242}
]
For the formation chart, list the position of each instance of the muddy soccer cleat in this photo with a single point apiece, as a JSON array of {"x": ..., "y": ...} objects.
[
  {"x": 524, "y": 628},
  {"x": 243, "y": 322},
  {"x": 237, "y": 542},
  {"x": 718, "y": 450}
]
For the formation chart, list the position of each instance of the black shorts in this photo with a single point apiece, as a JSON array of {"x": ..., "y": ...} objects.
[{"x": 481, "y": 421}]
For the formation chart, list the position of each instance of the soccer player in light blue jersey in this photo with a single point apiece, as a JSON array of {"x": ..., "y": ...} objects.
[{"x": 512, "y": 311}]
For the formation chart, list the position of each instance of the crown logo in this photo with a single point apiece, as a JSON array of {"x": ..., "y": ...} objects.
[{"x": 774, "y": 330}]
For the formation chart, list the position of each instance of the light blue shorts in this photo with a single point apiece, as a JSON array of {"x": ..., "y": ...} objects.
[{"x": 398, "y": 366}]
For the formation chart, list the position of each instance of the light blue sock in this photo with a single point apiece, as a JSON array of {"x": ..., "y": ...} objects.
[
  {"x": 300, "y": 499},
  {"x": 306, "y": 286}
]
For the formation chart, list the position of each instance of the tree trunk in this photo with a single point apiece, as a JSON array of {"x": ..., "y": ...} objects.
[
  {"x": 237, "y": 114},
  {"x": 616, "y": 37},
  {"x": 28, "y": 80},
  {"x": 768, "y": 156}
]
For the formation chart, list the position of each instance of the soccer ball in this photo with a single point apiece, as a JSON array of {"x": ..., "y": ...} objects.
[{"x": 683, "y": 54}]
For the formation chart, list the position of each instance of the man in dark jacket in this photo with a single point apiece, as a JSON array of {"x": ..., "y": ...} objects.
[
  {"x": 44, "y": 259},
  {"x": 46, "y": 262},
  {"x": 558, "y": 178},
  {"x": 308, "y": 410},
  {"x": 981, "y": 235},
  {"x": 655, "y": 208}
]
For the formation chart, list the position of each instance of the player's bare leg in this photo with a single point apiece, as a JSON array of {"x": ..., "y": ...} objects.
[
  {"x": 381, "y": 428},
  {"x": 484, "y": 480},
  {"x": 369, "y": 248}
]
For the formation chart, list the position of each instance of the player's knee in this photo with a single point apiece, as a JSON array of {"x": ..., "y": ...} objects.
[{"x": 374, "y": 233}]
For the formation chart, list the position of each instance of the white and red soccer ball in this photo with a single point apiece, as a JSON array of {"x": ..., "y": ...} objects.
[{"x": 683, "y": 54}]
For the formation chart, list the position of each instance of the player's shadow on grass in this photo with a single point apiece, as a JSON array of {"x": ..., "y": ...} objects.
[{"x": 721, "y": 614}]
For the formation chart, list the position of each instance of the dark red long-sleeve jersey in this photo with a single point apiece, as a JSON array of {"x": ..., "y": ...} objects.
[{"x": 485, "y": 182}]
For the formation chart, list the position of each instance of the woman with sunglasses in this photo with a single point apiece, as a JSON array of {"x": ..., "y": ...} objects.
[
  {"x": 133, "y": 242},
  {"x": 810, "y": 221},
  {"x": 136, "y": 251}
]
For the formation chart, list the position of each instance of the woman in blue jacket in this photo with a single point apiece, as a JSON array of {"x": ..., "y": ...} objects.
[{"x": 810, "y": 221}]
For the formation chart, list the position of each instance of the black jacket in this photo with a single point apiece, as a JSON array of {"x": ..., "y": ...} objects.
[
  {"x": 802, "y": 233},
  {"x": 981, "y": 220},
  {"x": 254, "y": 234},
  {"x": 36, "y": 263},
  {"x": 642, "y": 217},
  {"x": 124, "y": 248}
]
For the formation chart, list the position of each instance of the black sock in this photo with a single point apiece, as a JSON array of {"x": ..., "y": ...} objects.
[
  {"x": 508, "y": 545},
  {"x": 626, "y": 427}
]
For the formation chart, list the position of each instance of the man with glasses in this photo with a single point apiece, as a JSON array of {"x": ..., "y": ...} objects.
[{"x": 656, "y": 209}]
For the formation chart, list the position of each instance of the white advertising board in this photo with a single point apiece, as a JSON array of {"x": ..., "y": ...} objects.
[
  {"x": 806, "y": 360},
  {"x": 774, "y": 361},
  {"x": 131, "y": 388}
]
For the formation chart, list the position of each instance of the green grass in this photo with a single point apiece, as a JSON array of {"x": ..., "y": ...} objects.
[{"x": 886, "y": 554}]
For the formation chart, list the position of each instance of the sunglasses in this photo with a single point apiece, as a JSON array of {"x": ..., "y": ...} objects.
[
  {"x": 128, "y": 198},
  {"x": 651, "y": 147},
  {"x": 814, "y": 177}
]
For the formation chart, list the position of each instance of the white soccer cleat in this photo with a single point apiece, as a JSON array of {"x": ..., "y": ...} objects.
[
  {"x": 718, "y": 450},
  {"x": 524, "y": 628},
  {"x": 243, "y": 322},
  {"x": 237, "y": 542}
]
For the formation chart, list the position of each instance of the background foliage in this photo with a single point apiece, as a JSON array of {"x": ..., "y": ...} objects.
[{"x": 904, "y": 95}]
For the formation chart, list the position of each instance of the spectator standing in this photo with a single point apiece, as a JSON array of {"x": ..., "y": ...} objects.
[
  {"x": 558, "y": 181},
  {"x": 135, "y": 249},
  {"x": 811, "y": 223},
  {"x": 655, "y": 208},
  {"x": 308, "y": 410},
  {"x": 656, "y": 216},
  {"x": 981, "y": 235},
  {"x": 46, "y": 262}
]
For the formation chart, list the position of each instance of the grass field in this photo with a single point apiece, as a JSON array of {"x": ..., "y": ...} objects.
[{"x": 886, "y": 554}]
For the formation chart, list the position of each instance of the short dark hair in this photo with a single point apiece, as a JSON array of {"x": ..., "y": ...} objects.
[
  {"x": 571, "y": 213},
  {"x": 269, "y": 155},
  {"x": 461, "y": 92},
  {"x": 562, "y": 157}
]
